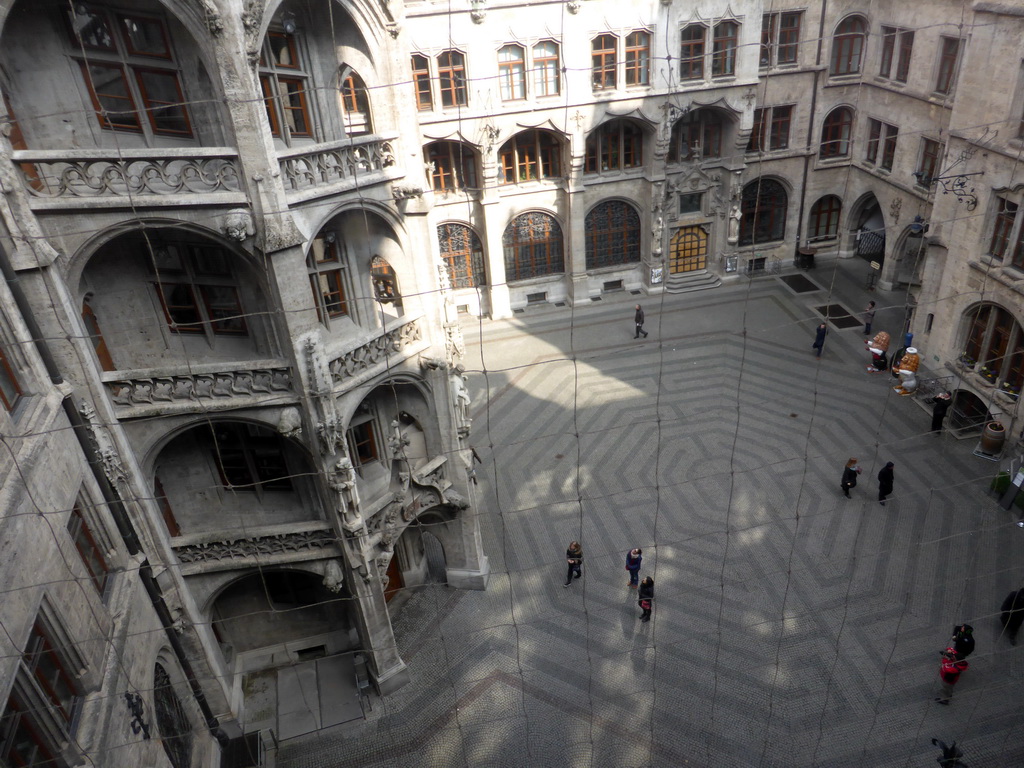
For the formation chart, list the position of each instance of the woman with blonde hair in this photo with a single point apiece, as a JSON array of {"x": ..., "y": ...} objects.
[{"x": 849, "y": 477}]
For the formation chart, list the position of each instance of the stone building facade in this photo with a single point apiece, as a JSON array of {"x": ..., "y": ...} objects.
[
  {"x": 226, "y": 265},
  {"x": 237, "y": 236}
]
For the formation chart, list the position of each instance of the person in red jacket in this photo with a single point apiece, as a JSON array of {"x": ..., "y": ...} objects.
[{"x": 949, "y": 672}]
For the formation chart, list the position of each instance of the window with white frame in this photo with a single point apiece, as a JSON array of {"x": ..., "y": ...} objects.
[
  {"x": 780, "y": 38},
  {"x": 128, "y": 65},
  {"x": 897, "y": 47}
]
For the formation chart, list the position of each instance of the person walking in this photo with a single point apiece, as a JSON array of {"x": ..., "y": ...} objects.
[
  {"x": 885, "y": 482},
  {"x": 574, "y": 557},
  {"x": 941, "y": 402},
  {"x": 638, "y": 318},
  {"x": 869, "y": 317},
  {"x": 819, "y": 339},
  {"x": 850, "y": 473},
  {"x": 950, "y": 670},
  {"x": 646, "y": 598},
  {"x": 1012, "y": 615},
  {"x": 633, "y": 560}
]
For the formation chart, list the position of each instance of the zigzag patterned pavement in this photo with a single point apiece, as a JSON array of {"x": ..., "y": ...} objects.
[{"x": 792, "y": 627}]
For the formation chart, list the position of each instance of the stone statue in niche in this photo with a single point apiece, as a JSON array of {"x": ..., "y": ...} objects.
[
  {"x": 460, "y": 400},
  {"x": 734, "y": 224},
  {"x": 238, "y": 225},
  {"x": 397, "y": 441}
]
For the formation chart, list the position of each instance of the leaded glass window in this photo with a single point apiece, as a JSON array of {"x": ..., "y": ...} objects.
[
  {"x": 533, "y": 247},
  {"x": 763, "y": 207},
  {"x": 613, "y": 235},
  {"x": 463, "y": 255},
  {"x": 171, "y": 720}
]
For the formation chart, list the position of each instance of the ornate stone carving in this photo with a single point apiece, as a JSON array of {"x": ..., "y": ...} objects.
[
  {"x": 239, "y": 548},
  {"x": 238, "y": 225},
  {"x": 382, "y": 568},
  {"x": 334, "y": 577},
  {"x": 199, "y": 386},
  {"x": 290, "y": 423},
  {"x": 252, "y": 21},
  {"x": 113, "y": 468},
  {"x": 478, "y": 11},
  {"x": 433, "y": 363},
  {"x": 214, "y": 23},
  {"x": 573, "y": 6},
  {"x": 96, "y": 174},
  {"x": 374, "y": 352},
  {"x": 405, "y": 192},
  {"x": 336, "y": 165}
]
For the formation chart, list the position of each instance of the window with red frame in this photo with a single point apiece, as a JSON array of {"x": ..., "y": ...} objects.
[
  {"x": 723, "y": 49},
  {"x": 452, "y": 164},
  {"x": 326, "y": 267},
  {"x": 928, "y": 168},
  {"x": 10, "y": 388},
  {"x": 603, "y": 61},
  {"x": 128, "y": 66},
  {"x": 949, "y": 56},
  {"x": 835, "y": 133},
  {"x": 614, "y": 146},
  {"x": 529, "y": 156},
  {"x": 88, "y": 548},
  {"x": 825, "y": 214},
  {"x": 638, "y": 58},
  {"x": 848, "y": 46},
  {"x": 285, "y": 84},
  {"x": 691, "y": 53},
  {"x": 421, "y": 80},
  {"x": 1006, "y": 213},
  {"x": 355, "y": 104},
  {"x": 451, "y": 79}
]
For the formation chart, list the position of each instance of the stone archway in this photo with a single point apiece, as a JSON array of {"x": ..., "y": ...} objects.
[{"x": 867, "y": 229}]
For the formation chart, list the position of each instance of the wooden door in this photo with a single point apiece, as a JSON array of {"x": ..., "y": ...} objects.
[{"x": 688, "y": 251}]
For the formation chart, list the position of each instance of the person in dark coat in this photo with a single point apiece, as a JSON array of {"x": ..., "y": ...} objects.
[
  {"x": 638, "y": 318},
  {"x": 646, "y": 598},
  {"x": 1012, "y": 615},
  {"x": 819, "y": 339},
  {"x": 633, "y": 560},
  {"x": 963, "y": 641},
  {"x": 942, "y": 403},
  {"x": 850, "y": 473},
  {"x": 574, "y": 558},
  {"x": 885, "y": 482}
]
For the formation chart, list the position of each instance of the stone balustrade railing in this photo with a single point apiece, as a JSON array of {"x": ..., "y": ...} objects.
[
  {"x": 355, "y": 362},
  {"x": 135, "y": 391},
  {"x": 336, "y": 165},
  {"x": 65, "y": 176}
]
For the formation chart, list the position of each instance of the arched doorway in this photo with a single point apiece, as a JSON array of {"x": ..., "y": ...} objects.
[
  {"x": 433, "y": 554},
  {"x": 969, "y": 413},
  {"x": 688, "y": 250},
  {"x": 284, "y": 613},
  {"x": 869, "y": 230}
]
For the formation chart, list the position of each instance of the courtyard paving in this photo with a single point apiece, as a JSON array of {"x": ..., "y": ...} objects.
[{"x": 792, "y": 627}]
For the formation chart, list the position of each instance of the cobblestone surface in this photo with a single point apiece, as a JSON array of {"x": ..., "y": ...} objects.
[{"x": 792, "y": 627}]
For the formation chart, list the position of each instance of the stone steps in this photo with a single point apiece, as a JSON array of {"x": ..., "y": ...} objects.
[{"x": 692, "y": 281}]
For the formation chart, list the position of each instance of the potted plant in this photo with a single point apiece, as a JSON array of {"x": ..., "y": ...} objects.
[
  {"x": 988, "y": 375},
  {"x": 1009, "y": 389},
  {"x": 966, "y": 362}
]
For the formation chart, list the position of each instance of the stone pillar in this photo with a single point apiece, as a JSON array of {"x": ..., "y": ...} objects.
[
  {"x": 494, "y": 228},
  {"x": 577, "y": 282}
]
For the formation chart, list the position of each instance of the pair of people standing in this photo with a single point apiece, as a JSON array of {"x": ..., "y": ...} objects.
[
  {"x": 852, "y": 471},
  {"x": 645, "y": 595},
  {"x": 634, "y": 558}
]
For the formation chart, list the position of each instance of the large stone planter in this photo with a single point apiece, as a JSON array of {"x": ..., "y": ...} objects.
[{"x": 993, "y": 438}]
